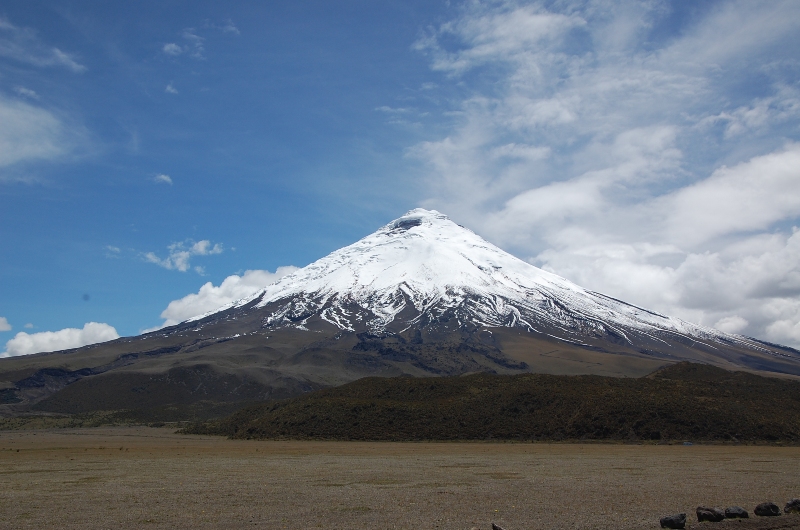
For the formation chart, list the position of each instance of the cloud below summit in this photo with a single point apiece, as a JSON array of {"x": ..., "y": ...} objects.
[
  {"x": 211, "y": 297},
  {"x": 46, "y": 341}
]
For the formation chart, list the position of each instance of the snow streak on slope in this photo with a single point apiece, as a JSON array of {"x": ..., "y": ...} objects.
[{"x": 427, "y": 262}]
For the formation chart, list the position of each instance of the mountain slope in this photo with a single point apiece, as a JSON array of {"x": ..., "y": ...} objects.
[{"x": 420, "y": 296}]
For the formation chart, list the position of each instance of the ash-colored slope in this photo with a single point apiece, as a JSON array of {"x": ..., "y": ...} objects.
[{"x": 425, "y": 261}]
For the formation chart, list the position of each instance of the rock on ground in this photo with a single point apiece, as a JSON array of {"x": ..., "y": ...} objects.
[
  {"x": 674, "y": 522},
  {"x": 714, "y": 515},
  {"x": 767, "y": 509},
  {"x": 736, "y": 512}
]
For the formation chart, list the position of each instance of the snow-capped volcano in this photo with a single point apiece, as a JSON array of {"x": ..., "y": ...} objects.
[
  {"x": 422, "y": 296},
  {"x": 423, "y": 270}
]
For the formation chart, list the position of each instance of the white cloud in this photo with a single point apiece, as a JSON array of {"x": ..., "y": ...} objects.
[
  {"x": 24, "y": 45},
  {"x": 748, "y": 197},
  {"x": 113, "y": 252},
  {"x": 162, "y": 178},
  {"x": 524, "y": 152},
  {"x": 172, "y": 49},
  {"x": 491, "y": 33},
  {"x": 26, "y": 92},
  {"x": 182, "y": 252},
  {"x": 46, "y": 341},
  {"x": 66, "y": 59},
  {"x": 204, "y": 248},
  {"x": 737, "y": 30},
  {"x": 30, "y": 133},
  {"x": 230, "y": 27},
  {"x": 211, "y": 297},
  {"x": 749, "y": 283},
  {"x": 170, "y": 89},
  {"x": 786, "y": 328},
  {"x": 28, "y": 326},
  {"x": 195, "y": 42},
  {"x": 731, "y": 324},
  {"x": 653, "y": 168},
  {"x": 393, "y": 110},
  {"x": 4, "y": 325}
]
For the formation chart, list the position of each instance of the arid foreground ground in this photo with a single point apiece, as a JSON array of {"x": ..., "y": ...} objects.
[{"x": 147, "y": 477}]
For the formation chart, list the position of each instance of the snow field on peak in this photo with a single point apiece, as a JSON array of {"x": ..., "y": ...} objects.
[{"x": 429, "y": 258}]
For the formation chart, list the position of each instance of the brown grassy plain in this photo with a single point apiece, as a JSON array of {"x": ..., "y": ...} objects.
[{"x": 140, "y": 477}]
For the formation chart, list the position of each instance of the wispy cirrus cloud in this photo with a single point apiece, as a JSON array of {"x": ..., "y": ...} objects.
[
  {"x": 652, "y": 161},
  {"x": 181, "y": 253},
  {"x": 193, "y": 42},
  {"x": 26, "y": 92},
  {"x": 24, "y": 45},
  {"x": 32, "y": 134}
]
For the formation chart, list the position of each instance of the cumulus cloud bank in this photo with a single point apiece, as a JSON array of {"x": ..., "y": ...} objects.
[
  {"x": 211, "y": 297},
  {"x": 653, "y": 160},
  {"x": 46, "y": 341}
]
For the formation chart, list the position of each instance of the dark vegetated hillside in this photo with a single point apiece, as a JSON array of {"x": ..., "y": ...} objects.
[{"x": 680, "y": 402}]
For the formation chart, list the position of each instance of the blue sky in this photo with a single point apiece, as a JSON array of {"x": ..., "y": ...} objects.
[{"x": 647, "y": 150}]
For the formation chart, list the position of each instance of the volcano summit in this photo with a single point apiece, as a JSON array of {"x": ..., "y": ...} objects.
[{"x": 421, "y": 296}]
